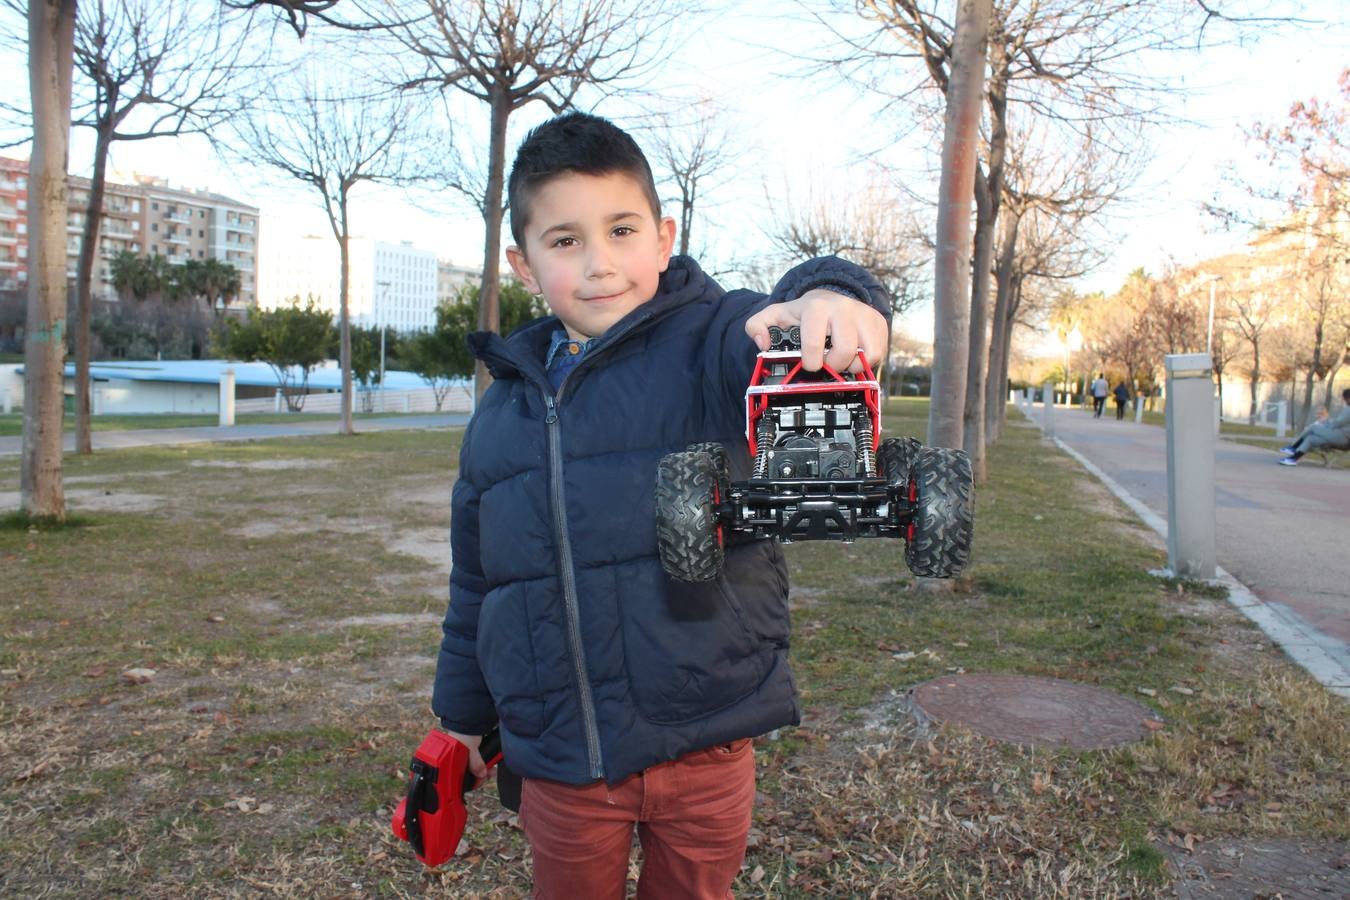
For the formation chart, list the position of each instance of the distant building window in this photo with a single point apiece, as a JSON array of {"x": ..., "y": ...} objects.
[
  {"x": 200, "y": 254},
  {"x": 154, "y": 248},
  {"x": 201, "y": 214},
  {"x": 154, "y": 226},
  {"x": 154, "y": 206},
  {"x": 201, "y": 232}
]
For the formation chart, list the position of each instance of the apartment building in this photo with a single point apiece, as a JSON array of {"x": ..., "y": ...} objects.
[
  {"x": 13, "y": 224},
  {"x": 391, "y": 284},
  {"x": 144, "y": 218},
  {"x": 451, "y": 278}
]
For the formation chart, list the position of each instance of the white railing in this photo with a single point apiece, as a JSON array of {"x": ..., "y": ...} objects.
[{"x": 458, "y": 400}]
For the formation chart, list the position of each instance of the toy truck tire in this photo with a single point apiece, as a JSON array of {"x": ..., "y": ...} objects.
[
  {"x": 720, "y": 462},
  {"x": 896, "y": 458},
  {"x": 687, "y": 536},
  {"x": 944, "y": 521}
]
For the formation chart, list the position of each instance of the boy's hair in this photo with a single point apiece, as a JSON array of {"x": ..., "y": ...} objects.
[{"x": 577, "y": 143}]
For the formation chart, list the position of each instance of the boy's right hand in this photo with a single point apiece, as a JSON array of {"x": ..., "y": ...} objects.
[{"x": 476, "y": 764}]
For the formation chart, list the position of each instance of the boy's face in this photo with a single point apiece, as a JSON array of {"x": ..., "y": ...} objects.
[{"x": 593, "y": 249}]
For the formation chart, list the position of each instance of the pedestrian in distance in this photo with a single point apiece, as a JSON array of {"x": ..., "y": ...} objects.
[
  {"x": 1329, "y": 434},
  {"x": 626, "y": 700},
  {"x": 1122, "y": 400},
  {"x": 1100, "y": 388}
]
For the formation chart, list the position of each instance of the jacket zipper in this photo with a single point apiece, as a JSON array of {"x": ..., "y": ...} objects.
[{"x": 569, "y": 583}]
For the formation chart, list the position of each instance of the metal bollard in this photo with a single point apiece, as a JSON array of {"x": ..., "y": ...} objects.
[
  {"x": 7, "y": 401},
  {"x": 1281, "y": 418},
  {"x": 1139, "y": 409},
  {"x": 1048, "y": 401},
  {"x": 226, "y": 402},
  {"x": 1190, "y": 466}
]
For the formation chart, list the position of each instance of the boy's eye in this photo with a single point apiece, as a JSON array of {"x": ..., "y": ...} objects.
[
  {"x": 623, "y": 230},
  {"x": 565, "y": 241}
]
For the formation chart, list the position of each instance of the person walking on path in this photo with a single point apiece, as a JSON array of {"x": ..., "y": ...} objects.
[
  {"x": 1331, "y": 434},
  {"x": 1122, "y": 397},
  {"x": 1100, "y": 388}
]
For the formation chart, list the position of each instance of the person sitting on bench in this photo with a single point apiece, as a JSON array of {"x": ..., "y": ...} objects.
[{"x": 1331, "y": 434}]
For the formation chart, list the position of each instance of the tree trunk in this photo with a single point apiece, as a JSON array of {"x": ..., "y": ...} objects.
[
  {"x": 1001, "y": 340},
  {"x": 989, "y": 198},
  {"x": 344, "y": 319},
  {"x": 1316, "y": 364},
  {"x": 686, "y": 217},
  {"x": 1256, "y": 377},
  {"x": 84, "y": 286},
  {"x": 51, "y": 49},
  {"x": 489, "y": 314},
  {"x": 951, "y": 288}
]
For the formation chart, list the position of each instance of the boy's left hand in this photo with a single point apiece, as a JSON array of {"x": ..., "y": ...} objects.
[{"x": 850, "y": 324}]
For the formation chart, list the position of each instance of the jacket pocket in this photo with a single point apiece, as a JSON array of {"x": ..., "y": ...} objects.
[
  {"x": 687, "y": 648},
  {"x": 506, "y": 655}
]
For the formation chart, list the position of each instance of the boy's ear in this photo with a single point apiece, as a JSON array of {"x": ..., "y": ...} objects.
[
  {"x": 666, "y": 228},
  {"x": 521, "y": 266}
]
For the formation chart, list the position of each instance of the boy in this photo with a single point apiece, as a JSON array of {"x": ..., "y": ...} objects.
[{"x": 624, "y": 699}]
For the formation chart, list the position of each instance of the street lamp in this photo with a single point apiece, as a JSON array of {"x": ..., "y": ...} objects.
[{"x": 384, "y": 295}]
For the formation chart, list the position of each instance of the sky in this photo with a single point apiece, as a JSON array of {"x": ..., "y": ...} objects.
[{"x": 810, "y": 134}]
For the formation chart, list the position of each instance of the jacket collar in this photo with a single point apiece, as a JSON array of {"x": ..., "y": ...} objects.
[{"x": 522, "y": 353}]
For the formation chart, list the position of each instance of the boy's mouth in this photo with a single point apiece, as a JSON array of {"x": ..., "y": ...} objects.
[{"x": 603, "y": 298}]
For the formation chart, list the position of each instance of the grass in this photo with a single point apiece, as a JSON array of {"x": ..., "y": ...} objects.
[
  {"x": 287, "y": 593},
  {"x": 12, "y": 424}
]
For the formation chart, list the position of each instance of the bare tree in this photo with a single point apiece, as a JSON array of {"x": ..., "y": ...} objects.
[
  {"x": 870, "y": 226},
  {"x": 51, "y": 39},
  {"x": 152, "y": 71},
  {"x": 695, "y": 147},
  {"x": 334, "y": 142},
  {"x": 1068, "y": 61},
  {"x": 509, "y": 54},
  {"x": 951, "y": 281}
]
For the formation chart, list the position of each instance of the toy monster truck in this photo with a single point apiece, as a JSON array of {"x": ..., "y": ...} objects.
[{"x": 818, "y": 472}]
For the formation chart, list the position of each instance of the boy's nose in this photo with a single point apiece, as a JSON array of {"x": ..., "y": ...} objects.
[{"x": 599, "y": 262}]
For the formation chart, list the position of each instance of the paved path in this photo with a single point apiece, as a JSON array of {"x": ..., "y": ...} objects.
[
  {"x": 146, "y": 437},
  {"x": 1283, "y": 533}
]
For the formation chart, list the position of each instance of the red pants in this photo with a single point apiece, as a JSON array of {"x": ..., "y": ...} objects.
[{"x": 692, "y": 816}]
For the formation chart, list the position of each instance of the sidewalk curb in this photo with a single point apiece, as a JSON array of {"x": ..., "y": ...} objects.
[{"x": 1304, "y": 644}]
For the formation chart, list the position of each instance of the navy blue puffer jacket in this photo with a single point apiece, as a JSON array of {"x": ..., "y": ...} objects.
[{"x": 562, "y": 626}]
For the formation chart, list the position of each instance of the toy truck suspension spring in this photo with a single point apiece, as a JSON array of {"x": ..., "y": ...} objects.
[
  {"x": 763, "y": 442},
  {"x": 867, "y": 461}
]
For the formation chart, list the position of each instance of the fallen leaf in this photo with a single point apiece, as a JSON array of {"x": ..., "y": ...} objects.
[
  {"x": 1154, "y": 725},
  {"x": 757, "y": 875},
  {"x": 216, "y": 618},
  {"x": 1183, "y": 691},
  {"x": 1147, "y": 692}
]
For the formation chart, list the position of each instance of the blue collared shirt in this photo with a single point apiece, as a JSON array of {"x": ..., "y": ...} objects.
[{"x": 563, "y": 355}]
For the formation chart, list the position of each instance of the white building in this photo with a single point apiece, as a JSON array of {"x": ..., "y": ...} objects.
[{"x": 391, "y": 284}]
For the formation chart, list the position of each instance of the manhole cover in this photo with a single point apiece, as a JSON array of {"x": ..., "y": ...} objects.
[{"x": 1044, "y": 712}]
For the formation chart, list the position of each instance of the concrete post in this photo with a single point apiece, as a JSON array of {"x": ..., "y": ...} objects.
[
  {"x": 227, "y": 398},
  {"x": 1190, "y": 465},
  {"x": 1138, "y": 409},
  {"x": 407, "y": 402},
  {"x": 7, "y": 401},
  {"x": 1218, "y": 415},
  {"x": 277, "y": 403},
  {"x": 1048, "y": 401},
  {"x": 1281, "y": 419},
  {"x": 96, "y": 404}
]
